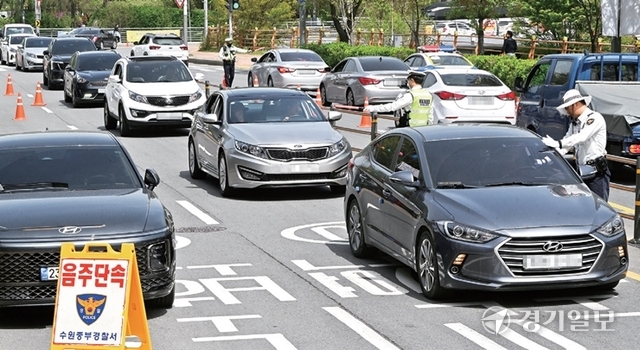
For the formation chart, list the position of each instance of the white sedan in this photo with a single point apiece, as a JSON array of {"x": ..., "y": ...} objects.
[{"x": 470, "y": 95}]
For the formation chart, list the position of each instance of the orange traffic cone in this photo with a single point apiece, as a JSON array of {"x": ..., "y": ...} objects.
[
  {"x": 224, "y": 83},
  {"x": 20, "y": 110},
  {"x": 255, "y": 81},
  {"x": 365, "y": 120},
  {"x": 9, "y": 91},
  {"x": 298, "y": 88},
  {"x": 318, "y": 98},
  {"x": 38, "y": 101}
]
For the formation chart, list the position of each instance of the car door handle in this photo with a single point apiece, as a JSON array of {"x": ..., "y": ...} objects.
[{"x": 386, "y": 193}]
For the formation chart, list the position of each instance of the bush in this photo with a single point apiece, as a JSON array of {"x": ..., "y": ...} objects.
[
  {"x": 506, "y": 68},
  {"x": 333, "y": 53}
]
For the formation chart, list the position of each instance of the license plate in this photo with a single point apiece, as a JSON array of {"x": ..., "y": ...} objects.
[
  {"x": 300, "y": 168},
  {"x": 49, "y": 273},
  {"x": 169, "y": 116},
  {"x": 392, "y": 82},
  {"x": 306, "y": 72},
  {"x": 101, "y": 91},
  {"x": 552, "y": 261},
  {"x": 482, "y": 101}
]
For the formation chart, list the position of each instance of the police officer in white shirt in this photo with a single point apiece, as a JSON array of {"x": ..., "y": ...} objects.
[
  {"x": 588, "y": 135},
  {"x": 228, "y": 56}
]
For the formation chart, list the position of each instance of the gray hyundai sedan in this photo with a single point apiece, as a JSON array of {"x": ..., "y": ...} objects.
[{"x": 485, "y": 207}]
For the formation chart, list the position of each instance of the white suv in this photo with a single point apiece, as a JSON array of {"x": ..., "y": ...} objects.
[
  {"x": 144, "y": 92},
  {"x": 161, "y": 45},
  {"x": 449, "y": 28}
]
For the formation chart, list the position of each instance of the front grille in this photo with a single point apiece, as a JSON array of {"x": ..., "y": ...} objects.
[
  {"x": 99, "y": 83},
  {"x": 155, "y": 283},
  {"x": 37, "y": 292},
  {"x": 513, "y": 251},
  {"x": 168, "y": 101},
  {"x": 297, "y": 177},
  {"x": 287, "y": 155},
  {"x": 25, "y": 267},
  {"x": 40, "y": 56}
]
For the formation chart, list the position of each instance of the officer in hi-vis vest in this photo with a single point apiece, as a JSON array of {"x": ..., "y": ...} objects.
[
  {"x": 415, "y": 103},
  {"x": 228, "y": 56}
]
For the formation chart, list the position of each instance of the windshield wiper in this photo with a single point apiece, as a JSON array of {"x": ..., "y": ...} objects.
[
  {"x": 34, "y": 186},
  {"x": 515, "y": 183},
  {"x": 454, "y": 185}
]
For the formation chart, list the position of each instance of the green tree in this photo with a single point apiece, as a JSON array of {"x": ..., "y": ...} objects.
[
  {"x": 345, "y": 15},
  {"x": 411, "y": 12},
  {"x": 477, "y": 11}
]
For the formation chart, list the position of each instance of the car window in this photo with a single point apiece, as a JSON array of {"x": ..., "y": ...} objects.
[
  {"x": 273, "y": 110},
  {"x": 610, "y": 71},
  {"x": 300, "y": 57},
  {"x": 495, "y": 161},
  {"x": 68, "y": 47},
  {"x": 449, "y": 60},
  {"x": 561, "y": 71},
  {"x": 209, "y": 105},
  {"x": 470, "y": 79},
  {"x": 419, "y": 62},
  {"x": 118, "y": 70},
  {"x": 409, "y": 61},
  {"x": 350, "y": 67},
  {"x": 382, "y": 64},
  {"x": 19, "y": 30},
  {"x": 15, "y": 40},
  {"x": 264, "y": 58},
  {"x": 79, "y": 168},
  {"x": 157, "y": 71},
  {"x": 37, "y": 42},
  {"x": 537, "y": 77},
  {"x": 408, "y": 159},
  {"x": 429, "y": 80},
  {"x": 384, "y": 150},
  {"x": 339, "y": 67},
  {"x": 97, "y": 63},
  {"x": 167, "y": 41}
]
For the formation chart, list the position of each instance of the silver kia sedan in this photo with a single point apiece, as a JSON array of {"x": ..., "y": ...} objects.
[
  {"x": 267, "y": 137},
  {"x": 29, "y": 54},
  {"x": 380, "y": 79},
  {"x": 288, "y": 68}
]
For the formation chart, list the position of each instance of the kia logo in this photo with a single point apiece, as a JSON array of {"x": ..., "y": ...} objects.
[
  {"x": 552, "y": 247},
  {"x": 70, "y": 230}
]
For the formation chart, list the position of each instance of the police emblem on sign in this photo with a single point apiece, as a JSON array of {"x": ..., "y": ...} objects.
[{"x": 90, "y": 307}]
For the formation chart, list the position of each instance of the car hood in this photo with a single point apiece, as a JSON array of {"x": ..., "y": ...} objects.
[
  {"x": 95, "y": 74},
  {"x": 35, "y": 50},
  {"x": 163, "y": 89},
  {"x": 286, "y": 134},
  {"x": 98, "y": 213},
  {"x": 514, "y": 208}
]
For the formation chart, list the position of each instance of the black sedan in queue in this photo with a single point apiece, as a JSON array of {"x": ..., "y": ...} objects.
[
  {"x": 80, "y": 187},
  {"x": 86, "y": 76},
  {"x": 484, "y": 207},
  {"x": 57, "y": 56}
]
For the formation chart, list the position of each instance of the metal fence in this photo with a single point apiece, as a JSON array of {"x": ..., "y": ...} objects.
[{"x": 195, "y": 34}]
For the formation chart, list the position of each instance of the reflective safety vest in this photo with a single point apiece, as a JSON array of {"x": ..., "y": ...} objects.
[{"x": 420, "y": 108}]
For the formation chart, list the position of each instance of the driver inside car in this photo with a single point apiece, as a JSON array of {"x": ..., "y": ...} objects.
[{"x": 294, "y": 110}]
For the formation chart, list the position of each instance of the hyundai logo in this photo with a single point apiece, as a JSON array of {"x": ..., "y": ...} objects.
[
  {"x": 70, "y": 230},
  {"x": 168, "y": 100},
  {"x": 552, "y": 247}
]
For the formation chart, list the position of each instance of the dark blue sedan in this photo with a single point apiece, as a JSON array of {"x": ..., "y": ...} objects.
[{"x": 86, "y": 76}]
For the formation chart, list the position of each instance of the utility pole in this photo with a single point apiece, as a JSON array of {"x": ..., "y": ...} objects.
[
  {"x": 206, "y": 18},
  {"x": 185, "y": 20},
  {"x": 616, "y": 41},
  {"x": 303, "y": 22}
]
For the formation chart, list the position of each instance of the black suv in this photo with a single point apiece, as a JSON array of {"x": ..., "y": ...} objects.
[{"x": 57, "y": 56}]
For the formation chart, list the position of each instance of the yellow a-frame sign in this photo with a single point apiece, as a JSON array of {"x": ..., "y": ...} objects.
[{"x": 99, "y": 301}]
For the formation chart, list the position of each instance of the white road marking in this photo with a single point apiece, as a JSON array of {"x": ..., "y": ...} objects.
[
  {"x": 186, "y": 302},
  {"x": 29, "y": 95},
  {"x": 362, "y": 329},
  {"x": 277, "y": 340},
  {"x": 306, "y": 266},
  {"x": 198, "y": 213},
  {"x": 474, "y": 336},
  {"x": 182, "y": 242},
  {"x": 224, "y": 270},
  {"x": 517, "y": 338},
  {"x": 222, "y": 323},
  {"x": 586, "y": 301},
  {"x": 47, "y": 110},
  {"x": 72, "y": 127}
]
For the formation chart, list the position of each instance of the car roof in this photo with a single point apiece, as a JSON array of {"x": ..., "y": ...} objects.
[
  {"x": 439, "y": 53},
  {"x": 294, "y": 50},
  {"x": 465, "y": 131},
  {"x": 461, "y": 71},
  {"x": 98, "y": 53},
  {"x": 39, "y": 37},
  {"x": 150, "y": 58},
  {"x": 72, "y": 38},
  {"x": 57, "y": 138},
  {"x": 164, "y": 35},
  {"x": 375, "y": 58},
  {"x": 262, "y": 92}
]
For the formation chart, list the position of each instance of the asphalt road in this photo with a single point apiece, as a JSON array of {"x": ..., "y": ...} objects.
[{"x": 271, "y": 269}]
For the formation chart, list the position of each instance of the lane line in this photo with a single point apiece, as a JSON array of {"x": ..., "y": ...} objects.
[
  {"x": 362, "y": 329},
  {"x": 72, "y": 127},
  {"x": 198, "y": 213},
  {"x": 474, "y": 336},
  {"x": 47, "y": 110},
  {"x": 622, "y": 208},
  {"x": 633, "y": 275}
]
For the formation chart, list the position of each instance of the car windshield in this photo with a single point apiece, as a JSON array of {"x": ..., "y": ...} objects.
[
  {"x": 68, "y": 47},
  {"x": 15, "y": 40},
  {"x": 19, "y": 30},
  {"x": 449, "y": 60},
  {"x": 38, "y": 42},
  {"x": 76, "y": 31},
  {"x": 470, "y": 79},
  {"x": 72, "y": 168},
  {"x": 479, "y": 162},
  {"x": 164, "y": 71},
  {"x": 167, "y": 41},
  {"x": 97, "y": 62},
  {"x": 300, "y": 57},
  {"x": 273, "y": 110},
  {"x": 382, "y": 63}
]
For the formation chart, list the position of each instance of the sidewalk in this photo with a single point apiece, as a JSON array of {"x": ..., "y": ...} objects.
[{"x": 243, "y": 60}]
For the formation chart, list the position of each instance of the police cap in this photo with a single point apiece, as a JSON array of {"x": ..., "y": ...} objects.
[{"x": 416, "y": 76}]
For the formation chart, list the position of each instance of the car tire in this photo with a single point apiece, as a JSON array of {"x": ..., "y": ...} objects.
[
  {"x": 323, "y": 96},
  {"x": 67, "y": 98},
  {"x": 74, "y": 99},
  {"x": 17, "y": 65},
  {"x": 132, "y": 54},
  {"x": 194, "y": 167},
  {"x": 166, "y": 302},
  {"x": 427, "y": 267},
  {"x": 45, "y": 81},
  {"x": 270, "y": 82},
  {"x": 109, "y": 122},
  {"x": 355, "y": 230},
  {"x": 114, "y": 45},
  {"x": 223, "y": 177},
  {"x": 101, "y": 45},
  {"x": 250, "y": 80},
  {"x": 2, "y": 61},
  {"x": 350, "y": 99},
  {"x": 124, "y": 123}
]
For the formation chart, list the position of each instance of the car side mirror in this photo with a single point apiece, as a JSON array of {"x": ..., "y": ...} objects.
[
  {"x": 211, "y": 118},
  {"x": 334, "y": 116},
  {"x": 518, "y": 85},
  {"x": 151, "y": 179},
  {"x": 587, "y": 172},
  {"x": 135, "y": 43},
  {"x": 68, "y": 68},
  {"x": 114, "y": 79},
  {"x": 45, "y": 52},
  {"x": 199, "y": 77},
  {"x": 254, "y": 59},
  {"x": 19, "y": 46},
  {"x": 405, "y": 178}
]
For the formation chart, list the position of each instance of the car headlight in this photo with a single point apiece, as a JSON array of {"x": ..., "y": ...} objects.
[
  {"x": 81, "y": 80},
  {"x": 612, "y": 227},
  {"x": 137, "y": 97},
  {"x": 196, "y": 96},
  {"x": 31, "y": 55},
  {"x": 337, "y": 147},
  {"x": 255, "y": 151},
  {"x": 465, "y": 233}
]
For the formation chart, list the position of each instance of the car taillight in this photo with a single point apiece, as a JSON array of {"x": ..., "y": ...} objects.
[
  {"x": 446, "y": 95},
  {"x": 509, "y": 96},
  {"x": 351, "y": 164},
  {"x": 286, "y": 70},
  {"x": 95, "y": 38},
  {"x": 154, "y": 47},
  {"x": 634, "y": 149},
  {"x": 184, "y": 47},
  {"x": 323, "y": 70},
  {"x": 369, "y": 81}
]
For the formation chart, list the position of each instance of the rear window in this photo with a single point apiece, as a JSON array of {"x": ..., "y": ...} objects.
[
  {"x": 470, "y": 80},
  {"x": 167, "y": 41},
  {"x": 300, "y": 57},
  {"x": 382, "y": 63},
  {"x": 157, "y": 71},
  {"x": 449, "y": 61},
  {"x": 38, "y": 42},
  {"x": 68, "y": 47}
]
